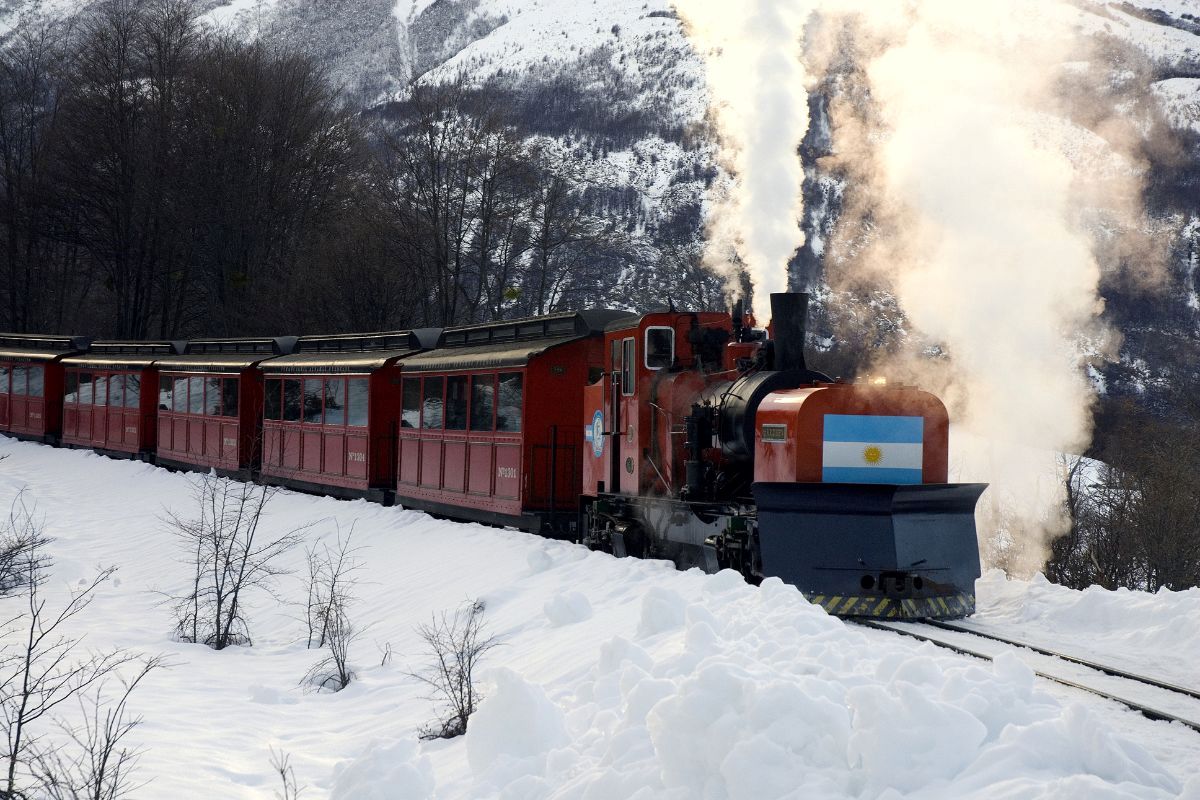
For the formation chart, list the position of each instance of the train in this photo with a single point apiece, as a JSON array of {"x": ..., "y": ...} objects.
[{"x": 692, "y": 436}]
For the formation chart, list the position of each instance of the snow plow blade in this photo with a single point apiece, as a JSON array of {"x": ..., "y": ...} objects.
[{"x": 868, "y": 550}]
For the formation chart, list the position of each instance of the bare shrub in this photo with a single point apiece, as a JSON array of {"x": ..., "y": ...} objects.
[
  {"x": 333, "y": 672},
  {"x": 331, "y": 582},
  {"x": 281, "y": 763},
  {"x": 385, "y": 653},
  {"x": 457, "y": 643},
  {"x": 229, "y": 556}
]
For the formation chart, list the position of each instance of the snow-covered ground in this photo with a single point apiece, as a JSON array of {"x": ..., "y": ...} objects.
[{"x": 616, "y": 678}]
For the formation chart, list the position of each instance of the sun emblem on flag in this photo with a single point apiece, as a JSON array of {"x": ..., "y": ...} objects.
[{"x": 872, "y": 454}]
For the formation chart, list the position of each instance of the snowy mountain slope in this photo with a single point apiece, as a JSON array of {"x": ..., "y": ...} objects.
[
  {"x": 630, "y": 100},
  {"x": 1180, "y": 98},
  {"x": 1165, "y": 30},
  {"x": 616, "y": 678}
]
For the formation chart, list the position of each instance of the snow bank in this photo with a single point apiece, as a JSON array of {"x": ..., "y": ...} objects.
[
  {"x": 385, "y": 772},
  {"x": 1158, "y": 633},
  {"x": 516, "y": 723},
  {"x": 616, "y": 678}
]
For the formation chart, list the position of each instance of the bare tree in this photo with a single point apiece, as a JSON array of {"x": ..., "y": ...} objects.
[
  {"x": 457, "y": 643},
  {"x": 22, "y": 545},
  {"x": 1134, "y": 516},
  {"x": 40, "y": 670},
  {"x": 97, "y": 764},
  {"x": 230, "y": 556},
  {"x": 40, "y": 280}
]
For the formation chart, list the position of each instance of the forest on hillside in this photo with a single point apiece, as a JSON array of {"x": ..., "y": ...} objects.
[{"x": 163, "y": 180}]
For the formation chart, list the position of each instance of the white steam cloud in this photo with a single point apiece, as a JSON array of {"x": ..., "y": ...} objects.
[
  {"x": 981, "y": 235},
  {"x": 753, "y": 52},
  {"x": 966, "y": 197}
]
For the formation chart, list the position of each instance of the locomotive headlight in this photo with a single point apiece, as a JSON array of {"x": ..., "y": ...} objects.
[{"x": 879, "y": 381}]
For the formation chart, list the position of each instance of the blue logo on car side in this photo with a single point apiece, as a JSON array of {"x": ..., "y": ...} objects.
[{"x": 595, "y": 434}]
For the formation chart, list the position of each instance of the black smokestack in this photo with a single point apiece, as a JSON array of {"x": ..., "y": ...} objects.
[{"x": 789, "y": 312}]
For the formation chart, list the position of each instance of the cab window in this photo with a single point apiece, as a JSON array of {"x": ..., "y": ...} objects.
[
  {"x": 660, "y": 347},
  {"x": 628, "y": 362}
]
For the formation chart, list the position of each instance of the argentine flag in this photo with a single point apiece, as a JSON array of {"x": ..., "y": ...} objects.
[{"x": 858, "y": 448}]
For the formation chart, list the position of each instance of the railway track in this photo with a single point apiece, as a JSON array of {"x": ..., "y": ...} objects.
[{"x": 1156, "y": 699}]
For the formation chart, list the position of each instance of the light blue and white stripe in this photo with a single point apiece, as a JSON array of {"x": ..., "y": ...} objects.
[{"x": 860, "y": 448}]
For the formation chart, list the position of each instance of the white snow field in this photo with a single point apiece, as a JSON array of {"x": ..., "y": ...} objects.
[{"x": 616, "y": 679}]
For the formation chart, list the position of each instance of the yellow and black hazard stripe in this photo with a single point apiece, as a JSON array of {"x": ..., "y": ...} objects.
[{"x": 949, "y": 606}]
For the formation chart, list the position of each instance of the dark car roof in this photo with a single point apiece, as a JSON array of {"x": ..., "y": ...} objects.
[
  {"x": 39, "y": 347},
  {"x": 509, "y": 343}
]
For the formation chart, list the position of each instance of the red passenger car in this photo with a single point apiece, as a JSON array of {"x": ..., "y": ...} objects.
[
  {"x": 330, "y": 412},
  {"x": 210, "y": 404},
  {"x": 31, "y": 384},
  {"x": 111, "y": 397},
  {"x": 489, "y": 420}
]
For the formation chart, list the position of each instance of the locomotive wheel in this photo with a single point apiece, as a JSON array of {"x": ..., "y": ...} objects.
[{"x": 635, "y": 542}]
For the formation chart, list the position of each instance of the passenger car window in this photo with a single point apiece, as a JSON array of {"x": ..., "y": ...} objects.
[
  {"x": 164, "y": 392},
  {"x": 212, "y": 397},
  {"x": 20, "y": 380},
  {"x": 509, "y": 403},
  {"x": 314, "y": 394},
  {"x": 71, "y": 392},
  {"x": 37, "y": 381},
  {"x": 4, "y": 379},
  {"x": 179, "y": 395},
  {"x": 272, "y": 408},
  {"x": 358, "y": 391},
  {"x": 291, "y": 400},
  {"x": 456, "y": 403},
  {"x": 410, "y": 404},
  {"x": 335, "y": 401},
  {"x": 196, "y": 395},
  {"x": 133, "y": 391},
  {"x": 431, "y": 403},
  {"x": 483, "y": 401},
  {"x": 116, "y": 391},
  {"x": 229, "y": 397},
  {"x": 100, "y": 390},
  {"x": 660, "y": 347}
]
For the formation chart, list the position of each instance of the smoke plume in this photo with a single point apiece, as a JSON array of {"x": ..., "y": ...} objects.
[
  {"x": 979, "y": 211},
  {"x": 974, "y": 193},
  {"x": 756, "y": 77}
]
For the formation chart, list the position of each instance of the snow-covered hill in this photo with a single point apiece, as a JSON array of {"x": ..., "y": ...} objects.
[
  {"x": 633, "y": 98},
  {"x": 616, "y": 679}
]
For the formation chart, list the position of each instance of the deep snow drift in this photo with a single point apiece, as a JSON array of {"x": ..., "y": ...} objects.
[{"x": 616, "y": 678}]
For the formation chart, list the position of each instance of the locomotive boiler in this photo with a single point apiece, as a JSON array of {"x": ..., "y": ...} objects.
[{"x": 714, "y": 445}]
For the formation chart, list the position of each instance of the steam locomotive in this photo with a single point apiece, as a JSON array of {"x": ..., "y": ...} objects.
[
  {"x": 720, "y": 449},
  {"x": 690, "y": 436}
]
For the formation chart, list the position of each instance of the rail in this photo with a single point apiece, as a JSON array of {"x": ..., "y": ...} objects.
[{"x": 914, "y": 630}]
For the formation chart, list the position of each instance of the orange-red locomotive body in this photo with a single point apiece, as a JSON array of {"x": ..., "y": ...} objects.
[{"x": 717, "y": 448}]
